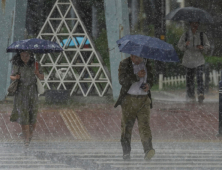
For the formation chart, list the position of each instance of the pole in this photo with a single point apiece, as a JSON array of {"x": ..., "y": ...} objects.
[
  {"x": 160, "y": 31},
  {"x": 117, "y": 24}
]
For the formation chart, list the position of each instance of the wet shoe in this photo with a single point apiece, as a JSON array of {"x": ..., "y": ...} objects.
[
  {"x": 126, "y": 156},
  {"x": 149, "y": 154},
  {"x": 26, "y": 143},
  {"x": 200, "y": 98}
]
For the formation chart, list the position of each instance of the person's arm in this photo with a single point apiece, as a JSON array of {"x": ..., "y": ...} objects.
[
  {"x": 40, "y": 76},
  {"x": 14, "y": 75},
  {"x": 206, "y": 44},
  {"x": 39, "y": 73},
  {"x": 182, "y": 45},
  {"x": 125, "y": 78}
]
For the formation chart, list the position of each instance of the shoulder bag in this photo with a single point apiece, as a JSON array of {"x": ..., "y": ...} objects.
[{"x": 14, "y": 85}]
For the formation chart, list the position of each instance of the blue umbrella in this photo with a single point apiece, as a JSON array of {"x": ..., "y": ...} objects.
[
  {"x": 78, "y": 41},
  {"x": 148, "y": 47},
  {"x": 35, "y": 46}
]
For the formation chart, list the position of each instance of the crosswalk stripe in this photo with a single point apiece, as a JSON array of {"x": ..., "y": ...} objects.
[
  {"x": 100, "y": 157},
  {"x": 156, "y": 162},
  {"x": 47, "y": 168},
  {"x": 89, "y": 152},
  {"x": 165, "y": 159},
  {"x": 168, "y": 166},
  {"x": 27, "y": 159}
]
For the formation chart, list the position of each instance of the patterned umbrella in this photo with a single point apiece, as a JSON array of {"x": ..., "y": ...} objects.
[{"x": 35, "y": 46}]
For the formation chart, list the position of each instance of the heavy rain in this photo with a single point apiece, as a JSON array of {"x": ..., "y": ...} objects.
[{"x": 110, "y": 84}]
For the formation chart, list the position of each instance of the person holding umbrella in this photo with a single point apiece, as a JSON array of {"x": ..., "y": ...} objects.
[
  {"x": 25, "y": 107},
  {"x": 26, "y": 70},
  {"x": 194, "y": 43},
  {"x": 136, "y": 79}
]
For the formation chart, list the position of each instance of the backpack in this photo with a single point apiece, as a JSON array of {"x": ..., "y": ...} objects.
[{"x": 201, "y": 38}]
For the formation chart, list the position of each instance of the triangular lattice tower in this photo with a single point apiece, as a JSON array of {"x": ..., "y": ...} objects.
[{"x": 79, "y": 68}]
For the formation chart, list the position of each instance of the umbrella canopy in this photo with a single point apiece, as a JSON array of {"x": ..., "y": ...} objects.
[
  {"x": 35, "y": 46},
  {"x": 78, "y": 41},
  {"x": 148, "y": 47},
  {"x": 190, "y": 14}
]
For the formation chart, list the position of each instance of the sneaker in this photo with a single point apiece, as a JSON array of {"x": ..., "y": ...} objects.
[
  {"x": 149, "y": 154},
  {"x": 200, "y": 98},
  {"x": 126, "y": 156}
]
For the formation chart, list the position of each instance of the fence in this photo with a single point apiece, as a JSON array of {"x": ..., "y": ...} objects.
[{"x": 214, "y": 79}]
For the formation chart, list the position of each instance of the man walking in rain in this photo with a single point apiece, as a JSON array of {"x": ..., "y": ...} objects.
[
  {"x": 136, "y": 79},
  {"x": 194, "y": 43}
]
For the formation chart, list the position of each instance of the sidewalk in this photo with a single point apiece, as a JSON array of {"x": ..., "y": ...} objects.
[
  {"x": 167, "y": 96},
  {"x": 172, "y": 119},
  {"x": 86, "y": 135},
  {"x": 180, "y": 96}
]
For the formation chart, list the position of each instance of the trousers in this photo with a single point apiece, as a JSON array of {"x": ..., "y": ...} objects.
[
  {"x": 190, "y": 74},
  {"x": 136, "y": 108}
]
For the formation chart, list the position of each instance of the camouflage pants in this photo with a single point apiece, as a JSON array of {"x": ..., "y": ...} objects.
[{"x": 136, "y": 108}]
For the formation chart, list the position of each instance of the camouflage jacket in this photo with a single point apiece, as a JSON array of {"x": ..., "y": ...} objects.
[{"x": 127, "y": 78}]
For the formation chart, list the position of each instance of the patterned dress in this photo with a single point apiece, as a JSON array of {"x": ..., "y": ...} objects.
[{"x": 25, "y": 106}]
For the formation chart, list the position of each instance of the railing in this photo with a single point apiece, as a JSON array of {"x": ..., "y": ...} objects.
[{"x": 214, "y": 79}]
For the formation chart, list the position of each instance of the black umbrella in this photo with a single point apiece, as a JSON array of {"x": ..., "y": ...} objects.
[{"x": 190, "y": 14}]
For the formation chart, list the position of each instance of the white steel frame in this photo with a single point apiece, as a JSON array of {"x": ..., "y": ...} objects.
[{"x": 101, "y": 76}]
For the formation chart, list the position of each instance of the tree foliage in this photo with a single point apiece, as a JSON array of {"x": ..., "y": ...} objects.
[{"x": 38, "y": 11}]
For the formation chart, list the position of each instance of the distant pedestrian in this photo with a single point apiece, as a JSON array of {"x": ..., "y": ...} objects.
[
  {"x": 25, "y": 106},
  {"x": 136, "y": 78},
  {"x": 194, "y": 43}
]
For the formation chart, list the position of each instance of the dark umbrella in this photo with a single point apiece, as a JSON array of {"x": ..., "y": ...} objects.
[
  {"x": 190, "y": 14},
  {"x": 35, "y": 46},
  {"x": 148, "y": 47}
]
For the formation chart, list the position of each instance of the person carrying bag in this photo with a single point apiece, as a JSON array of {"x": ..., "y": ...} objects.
[{"x": 25, "y": 106}]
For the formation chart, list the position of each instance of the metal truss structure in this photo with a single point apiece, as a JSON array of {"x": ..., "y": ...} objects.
[{"x": 79, "y": 68}]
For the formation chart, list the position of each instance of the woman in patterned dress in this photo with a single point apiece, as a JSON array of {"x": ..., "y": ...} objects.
[{"x": 25, "y": 106}]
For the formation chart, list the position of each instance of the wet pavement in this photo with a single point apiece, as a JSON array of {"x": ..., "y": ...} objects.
[
  {"x": 86, "y": 135},
  {"x": 108, "y": 156},
  {"x": 169, "y": 121}
]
